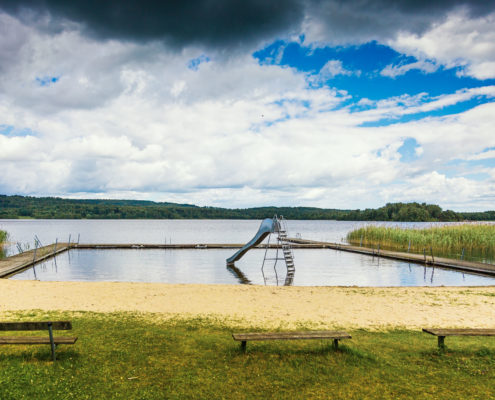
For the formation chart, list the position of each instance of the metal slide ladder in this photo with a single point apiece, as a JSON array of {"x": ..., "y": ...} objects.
[
  {"x": 288, "y": 256},
  {"x": 286, "y": 246}
]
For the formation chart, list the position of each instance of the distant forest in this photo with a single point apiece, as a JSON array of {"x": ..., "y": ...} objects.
[{"x": 12, "y": 207}]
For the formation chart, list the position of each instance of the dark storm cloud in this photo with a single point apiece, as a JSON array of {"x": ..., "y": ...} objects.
[
  {"x": 476, "y": 7},
  {"x": 363, "y": 20},
  {"x": 228, "y": 23},
  {"x": 181, "y": 22}
]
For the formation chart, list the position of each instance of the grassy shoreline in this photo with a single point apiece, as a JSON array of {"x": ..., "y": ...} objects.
[
  {"x": 125, "y": 355},
  {"x": 473, "y": 241}
]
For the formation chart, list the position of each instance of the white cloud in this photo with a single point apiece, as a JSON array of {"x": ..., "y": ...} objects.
[
  {"x": 330, "y": 70},
  {"x": 132, "y": 121},
  {"x": 395, "y": 107},
  {"x": 469, "y": 194},
  {"x": 449, "y": 35},
  {"x": 458, "y": 41},
  {"x": 334, "y": 68},
  {"x": 19, "y": 148},
  {"x": 392, "y": 71},
  {"x": 482, "y": 156}
]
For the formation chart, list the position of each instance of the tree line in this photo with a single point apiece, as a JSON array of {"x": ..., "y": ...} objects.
[{"x": 12, "y": 207}]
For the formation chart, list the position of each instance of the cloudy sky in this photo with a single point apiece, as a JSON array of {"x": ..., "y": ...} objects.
[{"x": 336, "y": 104}]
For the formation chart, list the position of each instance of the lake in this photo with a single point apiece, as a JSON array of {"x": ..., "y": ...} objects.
[{"x": 322, "y": 267}]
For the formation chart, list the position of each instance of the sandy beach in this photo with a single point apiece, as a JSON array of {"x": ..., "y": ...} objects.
[{"x": 264, "y": 306}]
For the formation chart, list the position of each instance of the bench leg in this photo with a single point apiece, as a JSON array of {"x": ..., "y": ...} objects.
[
  {"x": 441, "y": 342},
  {"x": 335, "y": 344},
  {"x": 52, "y": 343},
  {"x": 243, "y": 346}
]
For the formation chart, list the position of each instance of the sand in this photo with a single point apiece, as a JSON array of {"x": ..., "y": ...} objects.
[{"x": 264, "y": 306}]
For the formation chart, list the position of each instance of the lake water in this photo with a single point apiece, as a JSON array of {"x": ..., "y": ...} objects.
[
  {"x": 322, "y": 267},
  {"x": 163, "y": 231}
]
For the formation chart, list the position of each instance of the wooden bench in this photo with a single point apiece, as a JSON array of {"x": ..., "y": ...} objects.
[
  {"x": 37, "y": 326},
  {"x": 301, "y": 335},
  {"x": 442, "y": 333}
]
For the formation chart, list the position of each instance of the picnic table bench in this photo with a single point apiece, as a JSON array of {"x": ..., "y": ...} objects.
[
  {"x": 442, "y": 333},
  {"x": 299, "y": 335},
  {"x": 37, "y": 326}
]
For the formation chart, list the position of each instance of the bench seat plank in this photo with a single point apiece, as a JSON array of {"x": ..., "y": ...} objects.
[
  {"x": 291, "y": 335},
  {"x": 36, "y": 340},
  {"x": 294, "y": 335},
  {"x": 35, "y": 326},
  {"x": 460, "y": 332},
  {"x": 49, "y": 326}
]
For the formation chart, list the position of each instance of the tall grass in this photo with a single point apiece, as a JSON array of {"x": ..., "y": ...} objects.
[
  {"x": 3, "y": 239},
  {"x": 471, "y": 240}
]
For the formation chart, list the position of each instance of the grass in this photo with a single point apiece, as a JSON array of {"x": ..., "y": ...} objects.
[
  {"x": 477, "y": 240},
  {"x": 128, "y": 356},
  {"x": 3, "y": 239}
]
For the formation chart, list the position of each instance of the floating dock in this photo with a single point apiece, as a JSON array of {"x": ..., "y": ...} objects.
[
  {"x": 192, "y": 246},
  {"x": 19, "y": 262},
  {"x": 425, "y": 259}
]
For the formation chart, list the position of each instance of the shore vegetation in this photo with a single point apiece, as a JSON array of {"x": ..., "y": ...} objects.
[
  {"x": 463, "y": 240},
  {"x": 129, "y": 356},
  {"x": 3, "y": 239},
  {"x": 57, "y": 208}
]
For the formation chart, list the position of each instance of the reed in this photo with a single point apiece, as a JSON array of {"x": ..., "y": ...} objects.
[
  {"x": 471, "y": 240},
  {"x": 3, "y": 239}
]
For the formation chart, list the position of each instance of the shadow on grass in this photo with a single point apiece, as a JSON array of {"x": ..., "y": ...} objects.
[
  {"x": 357, "y": 353},
  {"x": 466, "y": 351},
  {"x": 270, "y": 349},
  {"x": 39, "y": 355}
]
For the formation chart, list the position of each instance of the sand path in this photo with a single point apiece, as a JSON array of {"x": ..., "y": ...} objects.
[{"x": 286, "y": 307}]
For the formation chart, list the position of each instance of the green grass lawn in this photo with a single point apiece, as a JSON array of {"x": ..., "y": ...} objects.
[{"x": 127, "y": 356}]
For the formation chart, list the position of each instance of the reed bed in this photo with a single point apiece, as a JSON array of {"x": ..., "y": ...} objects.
[
  {"x": 471, "y": 240},
  {"x": 3, "y": 239}
]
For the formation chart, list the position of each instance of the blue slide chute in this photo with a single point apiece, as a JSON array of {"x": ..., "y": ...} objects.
[{"x": 268, "y": 225}]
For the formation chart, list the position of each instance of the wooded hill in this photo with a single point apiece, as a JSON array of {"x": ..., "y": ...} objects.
[{"x": 12, "y": 207}]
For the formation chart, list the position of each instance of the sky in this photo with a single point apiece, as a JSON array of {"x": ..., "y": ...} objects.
[{"x": 324, "y": 103}]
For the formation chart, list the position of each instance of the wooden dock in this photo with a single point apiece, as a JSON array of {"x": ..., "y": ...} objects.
[
  {"x": 22, "y": 261},
  {"x": 19, "y": 262},
  {"x": 448, "y": 263},
  {"x": 186, "y": 246}
]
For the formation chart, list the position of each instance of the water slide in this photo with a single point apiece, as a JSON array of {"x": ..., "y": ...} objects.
[{"x": 268, "y": 225}]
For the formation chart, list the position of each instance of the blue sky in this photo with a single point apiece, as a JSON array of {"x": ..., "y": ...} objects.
[
  {"x": 362, "y": 75},
  {"x": 312, "y": 103}
]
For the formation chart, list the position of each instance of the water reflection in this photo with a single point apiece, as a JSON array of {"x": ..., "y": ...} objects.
[
  {"x": 238, "y": 274},
  {"x": 276, "y": 278},
  {"x": 280, "y": 277},
  {"x": 321, "y": 267}
]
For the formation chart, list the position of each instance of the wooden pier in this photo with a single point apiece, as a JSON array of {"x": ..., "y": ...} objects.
[
  {"x": 425, "y": 259},
  {"x": 19, "y": 262}
]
